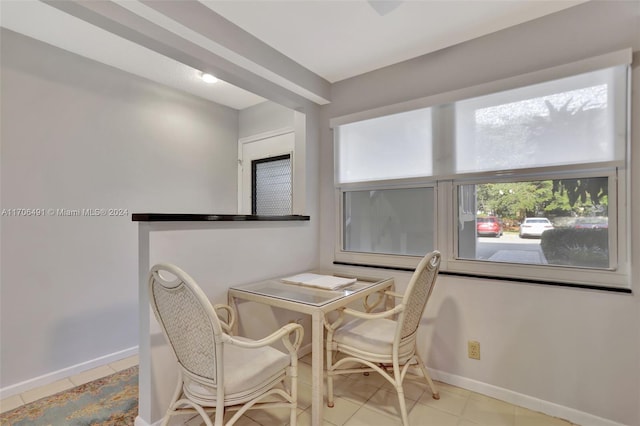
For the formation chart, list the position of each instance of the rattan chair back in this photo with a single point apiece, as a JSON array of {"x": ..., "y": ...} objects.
[
  {"x": 417, "y": 294},
  {"x": 187, "y": 318}
]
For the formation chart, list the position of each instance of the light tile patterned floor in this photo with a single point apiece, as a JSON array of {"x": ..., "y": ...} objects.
[
  {"x": 360, "y": 401},
  {"x": 371, "y": 401}
]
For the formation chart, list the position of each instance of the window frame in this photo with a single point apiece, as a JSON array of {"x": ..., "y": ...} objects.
[
  {"x": 446, "y": 183},
  {"x": 616, "y": 275},
  {"x": 388, "y": 260}
]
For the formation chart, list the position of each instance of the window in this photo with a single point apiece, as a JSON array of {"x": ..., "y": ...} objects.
[
  {"x": 271, "y": 186},
  {"x": 566, "y": 121},
  {"x": 391, "y": 147},
  {"x": 560, "y": 222},
  {"x": 526, "y": 183},
  {"x": 378, "y": 218},
  {"x": 389, "y": 221}
]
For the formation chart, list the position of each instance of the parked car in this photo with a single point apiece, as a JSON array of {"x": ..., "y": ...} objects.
[
  {"x": 488, "y": 226},
  {"x": 534, "y": 226},
  {"x": 598, "y": 222}
]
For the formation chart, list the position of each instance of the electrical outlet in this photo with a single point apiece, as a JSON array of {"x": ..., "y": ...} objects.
[{"x": 474, "y": 349}]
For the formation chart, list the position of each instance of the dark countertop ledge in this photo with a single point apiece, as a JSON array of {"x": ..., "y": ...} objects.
[{"x": 193, "y": 217}]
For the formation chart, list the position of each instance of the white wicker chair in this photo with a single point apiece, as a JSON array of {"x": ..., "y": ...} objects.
[
  {"x": 380, "y": 343},
  {"x": 219, "y": 372}
]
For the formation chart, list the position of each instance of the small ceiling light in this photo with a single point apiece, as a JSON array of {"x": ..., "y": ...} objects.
[{"x": 208, "y": 78}]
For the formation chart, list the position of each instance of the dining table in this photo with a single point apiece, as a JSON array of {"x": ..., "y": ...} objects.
[{"x": 317, "y": 301}]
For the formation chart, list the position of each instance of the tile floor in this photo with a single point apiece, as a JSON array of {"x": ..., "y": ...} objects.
[
  {"x": 372, "y": 401},
  {"x": 360, "y": 401}
]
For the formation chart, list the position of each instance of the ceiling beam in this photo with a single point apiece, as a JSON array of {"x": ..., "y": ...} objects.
[
  {"x": 120, "y": 21},
  {"x": 232, "y": 41}
]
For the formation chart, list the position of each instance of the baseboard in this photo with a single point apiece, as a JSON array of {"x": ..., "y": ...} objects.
[
  {"x": 49, "y": 378},
  {"x": 526, "y": 401},
  {"x": 304, "y": 350}
]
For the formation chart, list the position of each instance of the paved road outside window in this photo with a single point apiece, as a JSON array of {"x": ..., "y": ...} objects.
[{"x": 510, "y": 248}]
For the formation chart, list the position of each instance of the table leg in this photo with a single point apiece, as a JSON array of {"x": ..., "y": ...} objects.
[{"x": 317, "y": 376}]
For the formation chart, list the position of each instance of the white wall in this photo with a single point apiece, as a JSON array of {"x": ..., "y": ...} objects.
[
  {"x": 77, "y": 134},
  {"x": 570, "y": 352},
  {"x": 264, "y": 117}
]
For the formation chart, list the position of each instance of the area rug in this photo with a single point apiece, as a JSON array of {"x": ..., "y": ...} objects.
[{"x": 110, "y": 401}]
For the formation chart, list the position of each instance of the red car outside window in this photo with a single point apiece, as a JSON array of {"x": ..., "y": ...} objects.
[{"x": 488, "y": 226}]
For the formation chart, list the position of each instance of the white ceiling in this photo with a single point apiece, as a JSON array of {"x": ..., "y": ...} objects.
[
  {"x": 45, "y": 23},
  {"x": 333, "y": 39},
  {"x": 342, "y": 39}
]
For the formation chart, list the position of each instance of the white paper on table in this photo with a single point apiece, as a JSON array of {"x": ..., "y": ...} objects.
[{"x": 326, "y": 282}]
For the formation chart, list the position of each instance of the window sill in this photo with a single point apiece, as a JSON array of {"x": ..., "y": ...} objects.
[{"x": 498, "y": 278}]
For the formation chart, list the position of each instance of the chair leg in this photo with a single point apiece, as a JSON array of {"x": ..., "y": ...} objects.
[
  {"x": 403, "y": 405},
  {"x": 218, "y": 420},
  {"x": 294, "y": 396},
  {"x": 434, "y": 390},
  {"x": 330, "y": 401},
  {"x": 293, "y": 418},
  {"x": 219, "y": 417}
]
